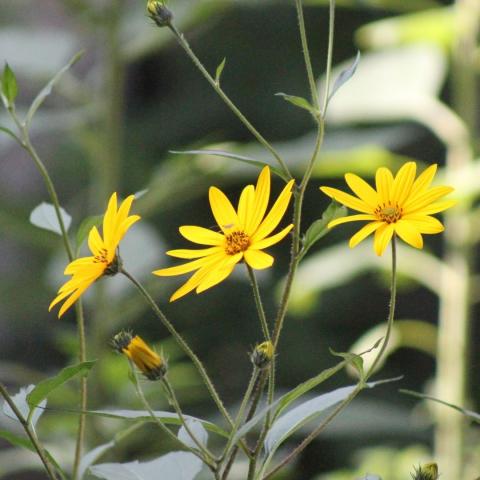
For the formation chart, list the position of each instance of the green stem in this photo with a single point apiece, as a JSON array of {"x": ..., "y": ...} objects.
[
  {"x": 183, "y": 344},
  {"x": 258, "y": 302},
  {"x": 216, "y": 86},
  {"x": 209, "y": 458},
  {"x": 28, "y": 146},
  {"x": 29, "y": 431},
  {"x": 328, "y": 71},
  {"x": 361, "y": 385}
]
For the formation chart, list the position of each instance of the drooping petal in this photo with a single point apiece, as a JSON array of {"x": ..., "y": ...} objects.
[
  {"x": 245, "y": 206},
  {"x": 346, "y": 199},
  {"x": 408, "y": 233},
  {"x": 383, "y": 235},
  {"x": 425, "y": 223},
  {"x": 187, "y": 253},
  {"x": 269, "y": 241},
  {"x": 275, "y": 215},
  {"x": 363, "y": 233},
  {"x": 201, "y": 235},
  {"x": 187, "y": 267},
  {"x": 384, "y": 184},
  {"x": 362, "y": 189},
  {"x": 258, "y": 259},
  {"x": 262, "y": 195},
  {"x": 425, "y": 199},
  {"x": 71, "y": 300},
  {"x": 219, "y": 273},
  {"x": 351, "y": 218},
  {"x": 423, "y": 181},
  {"x": 223, "y": 211},
  {"x": 402, "y": 185}
]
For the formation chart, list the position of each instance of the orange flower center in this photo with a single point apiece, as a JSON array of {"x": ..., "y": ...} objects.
[
  {"x": 389, "y": 212},
  {"x": 236, "y": 242},
  {"x": 102, "y": 256}
]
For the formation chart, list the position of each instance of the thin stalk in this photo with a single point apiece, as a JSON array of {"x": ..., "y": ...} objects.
[
  {"x": 30, "y": 149},
  {"x": 30, "y": 432},
  {"x": 328, "y": 72},
  {"x": 185, "y": 347},
  {"x": 361, "y": 385},
  {"x": 238, "y": 422},
  {"x": 258, "y": 302},
  {"x": 216, "y": 86},
  {"x": 149, "y": 409},
  {"x": 209, "y": 457}
]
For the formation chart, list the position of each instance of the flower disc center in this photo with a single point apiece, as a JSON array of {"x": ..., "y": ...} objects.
[
  {"x": 102, "y": 256},
  {"x": 389, "y": 213},
  {"x": 236, "y": 242}
]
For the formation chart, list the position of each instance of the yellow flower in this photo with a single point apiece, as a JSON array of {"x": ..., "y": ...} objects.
[
  {"x": 262, "y": 354},
  {"x": 151, "y": 364},
  {"x": 104, "y": 261},
  {"x": 244, "y": 234},
  {"x": 426, "y": 472},
  {"x": 400, "y": 205}
]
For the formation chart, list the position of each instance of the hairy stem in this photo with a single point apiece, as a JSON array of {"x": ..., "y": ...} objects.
[{"x": 258, "y": 302}]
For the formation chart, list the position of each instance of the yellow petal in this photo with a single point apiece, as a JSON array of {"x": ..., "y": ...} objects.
[
  {"x": 423, "y": 181},
  {"x": 362, "y": 189},
  {"x": 408, "y": 233},
  {"x": 269, "y": 241},
  {"x": 245, "y": 206},
  {"x": 351, "y": 218},
  {"x": 425, "y": 223},
  {"x": 201, "y": 235},
  {"x": 187, "y": 253},
  {"x": 346, "y": 199},
  {"x": 384, "y": 184},
  {"x": 363, "y": 233},
  {"x": 71, "y": 300},
  {"x": 425, "y": 199},
  {"x": 95, "y": 242},
  {"x": 223, "y": 211},
  {"x": 219, "y": 273},
  {"x": 437, "y": 207},
  {"x": 402, "y": 185},
  {"x": 258, "y": 259},
  {"x": 275, "y": 215},
  {"x": 187, "y": 267},
  {"x": 262, "y": 195},
  {"x": 383, "y": 235},
  {"x": 109, "y": 217}
]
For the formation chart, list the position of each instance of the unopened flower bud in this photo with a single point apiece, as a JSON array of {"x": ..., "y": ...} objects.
[
  {"x": 159, "y": 13},
  {"x": 152, "y": 365},
  {"x": 262, "y": 354},
  {"x": 429, "y": 471}
]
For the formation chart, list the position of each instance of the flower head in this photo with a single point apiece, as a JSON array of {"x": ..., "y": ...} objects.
[
  {"x": 244, "y": 233},
  {"x": 104, "y": 260},
  {"x": 400, "y": 205},
  {"x": 262, "y": 354},
  {"x": 152, "y": 365},
  {"x": 426, "y": 472}
]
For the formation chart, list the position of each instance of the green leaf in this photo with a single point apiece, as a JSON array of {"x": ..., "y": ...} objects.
[
  {"x": 24, "y": 442},
  {"x": 45, "y": 92},
  {"x": 9, "y": 84},
  {"x": 345, "y": 76},
  {"x": 44, "y": 388},
  {"x": 219, "y": 71},
  {"x": 468, "y": 413},
  {"x": 353, "y": 359},
  {"x": 298, "y": 102},
  {"x": 45, "y": 216},
  {"x": 234, "y": 156},
  {"x": 10, "y": 133},
  {"x": 319, "y": 228},
  {"x": 84, "y": 229}
]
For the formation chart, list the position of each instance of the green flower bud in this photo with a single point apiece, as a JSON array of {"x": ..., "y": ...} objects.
[
  {"x": 159, "y": 13},
  {"x": 429, "y": 471},
  {"x": 262, "y": 354}
]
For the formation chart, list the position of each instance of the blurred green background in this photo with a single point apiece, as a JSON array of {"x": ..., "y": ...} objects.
[{"x": 110, "y": 126}]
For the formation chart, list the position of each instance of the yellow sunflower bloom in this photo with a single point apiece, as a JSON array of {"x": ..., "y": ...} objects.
[
  {"x": 244, "y": 233},
  {"x": 104, "y": 261},
  {"x": 402, "y": 205}
]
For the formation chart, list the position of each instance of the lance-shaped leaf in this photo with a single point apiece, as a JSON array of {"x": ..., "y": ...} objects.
[
  {"x": 44, "y": 216},
  {"x": 345, "y": 76},
  {"x": 9, "y": 85},
  {"x": 298, "y": 102}
]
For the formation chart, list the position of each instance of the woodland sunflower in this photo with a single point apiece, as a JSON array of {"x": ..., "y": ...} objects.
[
  {"x": 402, "y": 206},
  {"x": 104, "y": 261},
  {"x": 243, "y": 235}
]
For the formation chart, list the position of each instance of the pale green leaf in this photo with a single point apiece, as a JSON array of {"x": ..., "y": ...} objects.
[
  {"x": 9, "y": 84},
  {"x": 219, "y": 71},
  {"x": 298, "y": 102},
  {"x": 44, "y": 216},
  {"x": 352, "y": 359},
  {"x": 198, "y": 431},
  {"x": 10, "y": 133},
  {"x": 345, "y": 76},
  {"x": 45, "y": 92}
]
